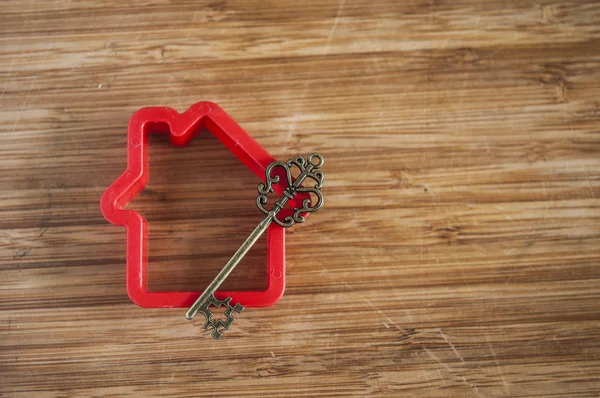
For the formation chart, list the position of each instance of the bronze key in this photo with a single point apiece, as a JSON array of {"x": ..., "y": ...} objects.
[{"x": 309, "y": 169}]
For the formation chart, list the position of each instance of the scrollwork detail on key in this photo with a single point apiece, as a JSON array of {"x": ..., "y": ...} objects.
[
  {"x": 265, "y": 189},
  {"x": 306, "y": 204}
]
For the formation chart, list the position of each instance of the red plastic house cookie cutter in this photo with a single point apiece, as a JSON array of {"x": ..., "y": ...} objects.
[{"x": 182, "y": 128}]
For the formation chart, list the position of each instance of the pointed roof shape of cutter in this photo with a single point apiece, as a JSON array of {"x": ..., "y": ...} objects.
[{"x": 182, "y": 128}]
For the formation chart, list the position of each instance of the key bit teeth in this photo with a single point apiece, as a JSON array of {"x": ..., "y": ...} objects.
[
  {"x": 216, "y": 334},
  {"x": 217, "y": 326}
]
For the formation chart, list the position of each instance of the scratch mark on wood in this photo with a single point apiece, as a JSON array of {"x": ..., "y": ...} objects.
[
  {"x": 451, "y": 345},
  {"x": 505, "y": 384},
  {"x": 461, "y": 378},
  {"x": 334, "y": 26}
]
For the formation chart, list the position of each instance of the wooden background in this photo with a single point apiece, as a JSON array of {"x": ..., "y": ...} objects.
[{"x": 458, "y": 250}]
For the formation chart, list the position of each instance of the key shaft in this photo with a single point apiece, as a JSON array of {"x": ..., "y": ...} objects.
[{"x": 229, "y": 266}]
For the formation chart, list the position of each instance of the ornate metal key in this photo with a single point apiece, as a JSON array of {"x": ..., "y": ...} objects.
[{"x": 309, "y": 169}]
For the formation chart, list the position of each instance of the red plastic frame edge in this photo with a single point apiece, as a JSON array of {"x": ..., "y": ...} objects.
[{"x": 182, "y": 129}]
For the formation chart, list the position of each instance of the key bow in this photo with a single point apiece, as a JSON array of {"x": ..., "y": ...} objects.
[{"x": 309, "y": 169}]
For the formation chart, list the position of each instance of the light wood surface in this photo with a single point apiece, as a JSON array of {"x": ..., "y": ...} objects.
[{"x": 458, "y": 252}]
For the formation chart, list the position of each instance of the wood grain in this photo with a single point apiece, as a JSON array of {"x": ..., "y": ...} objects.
[{"x": 458, "y": 251}]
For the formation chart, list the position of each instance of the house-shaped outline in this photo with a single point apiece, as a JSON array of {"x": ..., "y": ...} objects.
[{"x": 182, "y": 128}]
